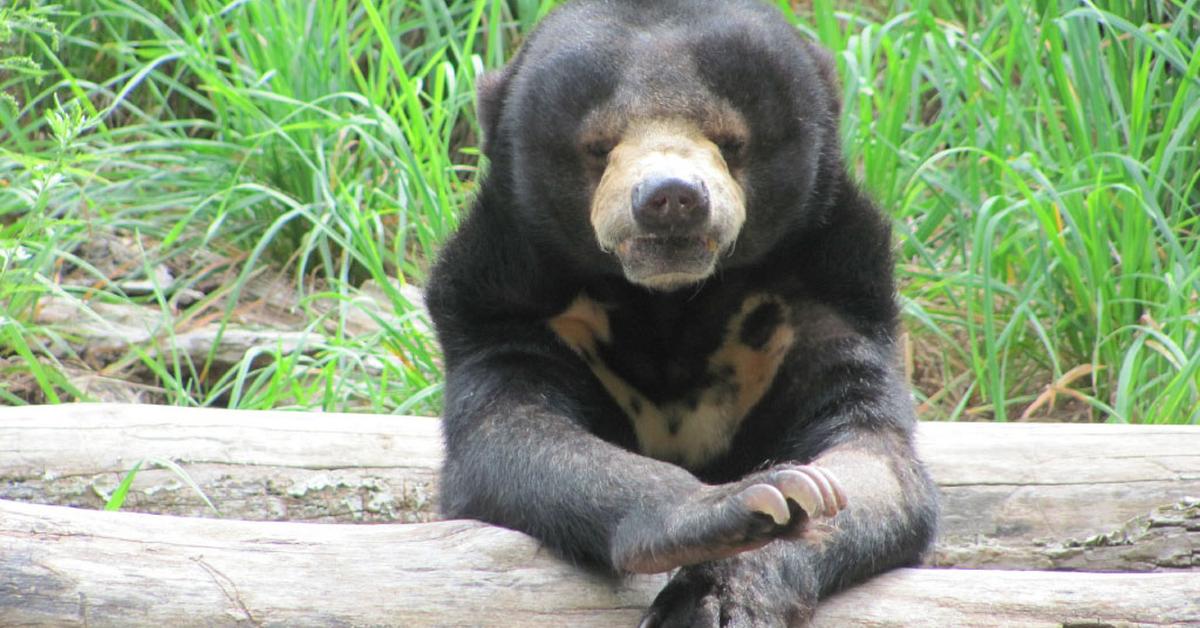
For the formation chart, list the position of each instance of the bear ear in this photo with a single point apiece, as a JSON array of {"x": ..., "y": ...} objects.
[
  {"x": 490, "y": 89},
  {"x": 827, "y": 72}
]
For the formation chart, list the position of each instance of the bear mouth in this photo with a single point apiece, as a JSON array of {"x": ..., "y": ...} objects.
[{"x": 668, "y": 262}]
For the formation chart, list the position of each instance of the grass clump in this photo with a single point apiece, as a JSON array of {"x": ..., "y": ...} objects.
[
  {"x": 278, "y": 165},
  {"x": 1042, "y": 162}
]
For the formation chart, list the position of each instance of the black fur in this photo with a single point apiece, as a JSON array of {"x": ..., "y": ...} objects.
[{"x": 535, "y": 443}]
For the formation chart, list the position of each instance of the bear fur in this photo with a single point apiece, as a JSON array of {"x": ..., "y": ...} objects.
[{"x": 669, "y": 319}]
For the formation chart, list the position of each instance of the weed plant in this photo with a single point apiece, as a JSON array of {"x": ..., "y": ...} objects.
[{"x": 1041, "y": 161}]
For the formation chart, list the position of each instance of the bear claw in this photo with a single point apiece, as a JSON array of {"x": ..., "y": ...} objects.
[
  {"x": 802, "y": 489},
  {"x": 816, "y": 491},
  {"x": 768, "y": 500},
  {"x": 813, "y": 490}
]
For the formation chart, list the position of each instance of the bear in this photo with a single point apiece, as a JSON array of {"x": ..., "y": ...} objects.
[{"x": 669, "y": 321}]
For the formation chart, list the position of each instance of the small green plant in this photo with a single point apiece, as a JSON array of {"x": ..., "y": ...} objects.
[
  {"x": 19, "y": 66},
  {"x": 116, "y": 499}
]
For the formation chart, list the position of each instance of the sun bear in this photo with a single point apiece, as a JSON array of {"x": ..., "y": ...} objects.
[{"x": 669, "y": 319}]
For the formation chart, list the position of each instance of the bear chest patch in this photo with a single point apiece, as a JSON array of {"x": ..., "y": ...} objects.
[{"x": 696, "y": 420}]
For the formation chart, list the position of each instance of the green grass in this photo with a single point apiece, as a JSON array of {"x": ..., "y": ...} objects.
[{"x": 1040, "y": 159}]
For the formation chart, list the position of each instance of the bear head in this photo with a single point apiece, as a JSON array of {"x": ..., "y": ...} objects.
[{"x": 663, "y": 140}]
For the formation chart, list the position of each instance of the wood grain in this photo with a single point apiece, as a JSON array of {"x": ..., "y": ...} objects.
[
  {"x": 64, "y": 567},
  {"x": 1040, "y": 496}
]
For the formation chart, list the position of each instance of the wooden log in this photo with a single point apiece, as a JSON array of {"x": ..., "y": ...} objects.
[
  {"x": 1042, "y": 496},
  {"x": 1065, "y": 496},
  {"x": 64, "y": 566},
  {"x": 251, "y": 465}
]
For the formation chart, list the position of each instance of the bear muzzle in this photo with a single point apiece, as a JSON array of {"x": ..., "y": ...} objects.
[
  {"x": 667, "y": 205},
  {"x": 668, "y": 262}
]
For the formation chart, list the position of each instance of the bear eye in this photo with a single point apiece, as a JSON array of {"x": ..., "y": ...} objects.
[
  {"x": 731, "y": 147},
  {"x": 598, "y": 149}
]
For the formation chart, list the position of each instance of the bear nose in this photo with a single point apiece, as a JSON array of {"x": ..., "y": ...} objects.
[{"x": 669, "y": 205}]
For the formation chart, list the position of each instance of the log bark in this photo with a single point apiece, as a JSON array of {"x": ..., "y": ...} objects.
[
  {"x": 1025, "y": 496},
  {"x": 318, "y": 467},
  {"x": 64, "y": 566}
]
